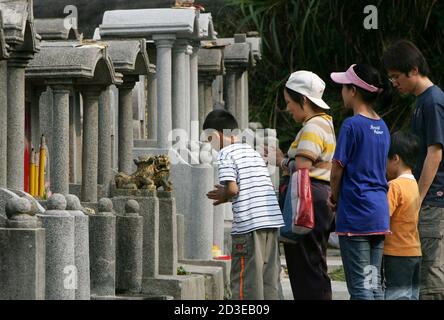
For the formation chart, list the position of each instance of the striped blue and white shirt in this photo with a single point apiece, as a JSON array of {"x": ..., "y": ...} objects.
[{"x": 256, "y": 206}]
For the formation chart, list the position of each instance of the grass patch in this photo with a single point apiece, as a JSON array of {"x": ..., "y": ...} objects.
[{"x": 338, "y": 274}]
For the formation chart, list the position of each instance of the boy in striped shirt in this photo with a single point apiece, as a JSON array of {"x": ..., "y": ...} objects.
[{"x": 245, "y": 181}]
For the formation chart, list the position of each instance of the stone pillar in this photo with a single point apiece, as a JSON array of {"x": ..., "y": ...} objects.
[
  {"x": 61, "y": 272},
  {"x": 3, "y": 121},
  {"x": 90, "y": 144},
  {"x": 78, "y": 107},
  {"x": 81, "y": 246},
  {"x": 208, "y": 93},
  {"x": 239, "y": 99},
  {"x": 22, "y": 253},
  {"x": 194, "y": 95},
  {"x": 126, "y": 126},
  {"x": 129, "y": 236},
  {"x": 149, "y": 211},
  {"x": 246, "y": 103},
  {"x": 152, "y": 106},
  {"x": 102, "y": 249},
  {"x": 188, "y": 91},
  {"x": 16, "y": 123},
  {"x": 218, "y": 220},
  {"x": 205, "y": 97},
  {"x": 46, "y": 121},
  {"x": 72, "y": 140},
  {"x": 105, "y": 165},
  {"x": 201, "y": 103},
  {"x": 164, "y": 44},
  {"x": 230, "y": 93},
  {"x": 167, "y": 234},
  {"x": 35, "y": 116},
  {"x": 180, "y": 236},
  {"x": 60, "y": 146},
  {"x": 218, "y": 90},
  {"x": 199, "y": 218},
  {"x": 114, "y": 97},
  {"x": 179, "y": 85}
]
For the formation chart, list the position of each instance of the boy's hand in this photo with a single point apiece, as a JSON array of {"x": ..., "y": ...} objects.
[
  {"x": 219, "y": 194},
  {"x": 273, "y": 154}
]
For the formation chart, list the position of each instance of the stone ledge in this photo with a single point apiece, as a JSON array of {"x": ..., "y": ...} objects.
[
  {"x": 190, "y": 287},
  {"x": 224, "y": 264},
  {"x": 132, "y": 193},
  {"x": 214, "y": 280}
]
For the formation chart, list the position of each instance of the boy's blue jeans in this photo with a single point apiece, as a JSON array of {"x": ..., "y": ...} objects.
[
  {"x": 362, "y": 259},
  {"x": 401, "y": 277}
]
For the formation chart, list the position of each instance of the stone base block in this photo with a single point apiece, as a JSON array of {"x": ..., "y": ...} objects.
[
  {"x": 214, "y": 280},
  {"x": 190, "y": 287},
  {"x": 224, "y": 264},
  {"x": 22, "y": 264},
  {"x": 227, "y": 237}
]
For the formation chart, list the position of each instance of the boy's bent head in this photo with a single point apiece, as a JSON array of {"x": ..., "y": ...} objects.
[
  {"x": 220, "y": 126},
  {"x": 403, "y": 153},
  {"x": 220, "y": 120}
]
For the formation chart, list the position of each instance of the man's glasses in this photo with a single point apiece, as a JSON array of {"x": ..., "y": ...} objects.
[{"x": 393, "y": 78}]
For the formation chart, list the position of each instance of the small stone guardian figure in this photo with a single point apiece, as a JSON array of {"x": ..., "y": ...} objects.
[{"x": 152, "y": 173}]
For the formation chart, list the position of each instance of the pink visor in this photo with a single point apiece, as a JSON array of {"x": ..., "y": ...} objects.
[{"x": 350, "y": 77}]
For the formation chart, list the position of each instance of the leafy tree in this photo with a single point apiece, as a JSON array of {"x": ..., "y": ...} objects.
[{"x": 325, "y": 36}]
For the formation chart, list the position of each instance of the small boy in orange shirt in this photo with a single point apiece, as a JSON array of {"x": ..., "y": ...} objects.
[{"x": 402, "y": 248}]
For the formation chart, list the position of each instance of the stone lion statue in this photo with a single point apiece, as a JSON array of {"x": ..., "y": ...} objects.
[
  {"x": 162, "y": 172},
  {"x": 152, "y": 173}
]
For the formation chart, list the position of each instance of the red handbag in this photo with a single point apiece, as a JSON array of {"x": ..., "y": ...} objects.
[{"x": 302, "y": 202}]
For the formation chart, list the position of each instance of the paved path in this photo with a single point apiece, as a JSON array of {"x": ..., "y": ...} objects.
[{"x": 333, "y": 261}]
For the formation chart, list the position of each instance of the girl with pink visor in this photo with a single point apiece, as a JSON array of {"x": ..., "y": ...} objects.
[{"x": 358, "y": 181}]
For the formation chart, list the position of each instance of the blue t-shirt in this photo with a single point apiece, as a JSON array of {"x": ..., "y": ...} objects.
[
  {"x": 428, "y": 125},
  {"x": 362, "y": 149}
]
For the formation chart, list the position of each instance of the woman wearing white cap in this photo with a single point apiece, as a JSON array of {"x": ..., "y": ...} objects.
[
  {"x": 313, "y": 148},
  {"x": 358, "y": 181}
]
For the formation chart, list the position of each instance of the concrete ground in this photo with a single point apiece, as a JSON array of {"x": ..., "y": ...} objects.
[{"x": 333, "y": 261}]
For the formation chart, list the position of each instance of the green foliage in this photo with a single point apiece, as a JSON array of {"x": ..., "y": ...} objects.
[
  {"x": 325, "y": 36},
  {"x": 337, "y": 274},
  {"x": 182, "y": 272}
]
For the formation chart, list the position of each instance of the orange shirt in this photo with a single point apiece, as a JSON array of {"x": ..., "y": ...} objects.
[{"x": 404, "y": 201}]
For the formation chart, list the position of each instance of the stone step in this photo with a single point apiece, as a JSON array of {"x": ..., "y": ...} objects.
[
  {"x": 214, "y": 280},
  {"x": 189, "y": 287},
  {"x": 224, "y": 264}
]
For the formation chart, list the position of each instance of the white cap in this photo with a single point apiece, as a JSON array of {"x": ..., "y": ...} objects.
[{"x": 308, "y": 84}]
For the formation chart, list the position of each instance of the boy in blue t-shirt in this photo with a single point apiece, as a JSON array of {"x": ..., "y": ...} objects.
[
  {"x": 358, "y": 182},
  {"x": 408, "y": 70}
]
